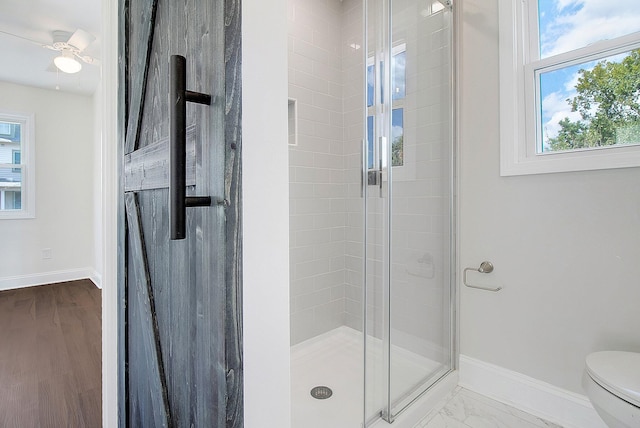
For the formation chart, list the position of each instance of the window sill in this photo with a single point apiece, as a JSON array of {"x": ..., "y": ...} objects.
[
  {"x": 512, "y": 163},
  {"x": 16, "y": 215}
]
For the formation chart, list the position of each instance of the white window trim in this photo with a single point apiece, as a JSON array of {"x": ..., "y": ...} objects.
[
  {"x": 518, "y": 103},
  {"x": 28, "y": 165}
]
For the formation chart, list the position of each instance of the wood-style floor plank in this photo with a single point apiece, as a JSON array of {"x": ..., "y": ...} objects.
[{"x": 50, "y": 356}]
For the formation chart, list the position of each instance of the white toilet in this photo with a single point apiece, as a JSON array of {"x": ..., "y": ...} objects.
[{"x": 612, "y": 382}]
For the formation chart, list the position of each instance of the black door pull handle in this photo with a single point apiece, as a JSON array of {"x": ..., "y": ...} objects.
[{"x": 178, "y": 97}]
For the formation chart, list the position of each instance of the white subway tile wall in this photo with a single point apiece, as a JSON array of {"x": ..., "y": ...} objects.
[
  {"x": 318, "y": 185},
  {"x": 326, "y": 77}
]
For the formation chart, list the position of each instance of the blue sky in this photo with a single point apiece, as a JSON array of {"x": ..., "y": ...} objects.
[{"x": 570, "y": 24}]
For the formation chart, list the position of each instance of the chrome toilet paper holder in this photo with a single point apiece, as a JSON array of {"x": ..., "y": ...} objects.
[{"x": 485, "y": 267}]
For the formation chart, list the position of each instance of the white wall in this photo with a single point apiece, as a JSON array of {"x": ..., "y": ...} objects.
[
  {"x": 265, "y": 214},
  {"x": 566, "y": 247},
  {"x": 64, "y": 191}
]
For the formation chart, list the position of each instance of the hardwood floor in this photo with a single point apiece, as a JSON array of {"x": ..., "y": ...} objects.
[{"x": 50, "y": 356}]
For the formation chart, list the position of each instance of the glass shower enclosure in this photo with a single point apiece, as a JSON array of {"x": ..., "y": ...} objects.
[
  {"x": 372, "y": 207},
  {"x": 409, "y": 206}
]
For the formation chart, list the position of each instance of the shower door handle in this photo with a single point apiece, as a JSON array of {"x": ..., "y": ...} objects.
[
  {"x": 382, "y": 144},
  {"x": 178, "y": 97}
]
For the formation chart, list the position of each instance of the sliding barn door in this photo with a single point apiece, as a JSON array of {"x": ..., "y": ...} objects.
[{"x": 179, "y": 289}]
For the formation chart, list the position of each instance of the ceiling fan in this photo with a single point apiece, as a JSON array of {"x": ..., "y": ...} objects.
[{"x": 71, "y": 47}]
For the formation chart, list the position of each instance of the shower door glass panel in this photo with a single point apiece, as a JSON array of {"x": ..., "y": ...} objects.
[
  {"x": 409, "y": 224},
  {"x": 377, "y": 51},
  {"x": 420, "y": 183}
]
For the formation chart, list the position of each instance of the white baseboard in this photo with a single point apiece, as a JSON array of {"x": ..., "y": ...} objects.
[
  {"x": 22, "y": 281},
  {"x": 533, "y": 396},
  {"x": 96, "y": 278}
]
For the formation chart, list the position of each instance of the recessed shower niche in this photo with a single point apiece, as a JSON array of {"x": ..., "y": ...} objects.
[{"x": 372, "y": 211}]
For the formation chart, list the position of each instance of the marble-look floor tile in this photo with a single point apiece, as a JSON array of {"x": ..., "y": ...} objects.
[
  {"x": 538, "y": 422},
  {"x": 468, "y": 409},
  {"x": 443, "y": 421},
  {"x": 436, "y": 409}
]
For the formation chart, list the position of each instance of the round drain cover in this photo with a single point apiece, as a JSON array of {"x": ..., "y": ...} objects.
[{"x": 321, "y": 392}]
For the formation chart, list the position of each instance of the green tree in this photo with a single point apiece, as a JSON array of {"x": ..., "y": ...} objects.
[
  {"x": 397, "y": 151},
  {"x": 608, "y": 100}
]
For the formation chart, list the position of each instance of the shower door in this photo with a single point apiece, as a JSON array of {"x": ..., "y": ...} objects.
[{"x": 408, "y": 176}]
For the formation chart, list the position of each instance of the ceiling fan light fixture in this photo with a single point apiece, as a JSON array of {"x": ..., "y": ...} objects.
[{"x": 67, "y": 63}]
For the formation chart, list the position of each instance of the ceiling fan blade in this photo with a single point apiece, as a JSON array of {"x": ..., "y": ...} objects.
[
  {"x": 23, "y": 38},
  {"x": 88, "y": 59},
  {"x": 80, "y": 39}
]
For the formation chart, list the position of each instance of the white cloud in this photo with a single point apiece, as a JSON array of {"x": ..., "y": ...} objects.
[
  {"x": 582, "y": 22},
  {"x": 570, "y": 84},
  {"x": 556, "y": 108},
  {"x": 396, "y": 131},
  {"x": 562, "y": 4}
]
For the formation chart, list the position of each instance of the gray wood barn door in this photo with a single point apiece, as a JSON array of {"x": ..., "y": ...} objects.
[{"x": 180, "y": 321}]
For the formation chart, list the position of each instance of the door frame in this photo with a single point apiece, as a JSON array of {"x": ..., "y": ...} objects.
[
  {"x": 110, "y": 201},
  {"x": 266, "y": 326}
]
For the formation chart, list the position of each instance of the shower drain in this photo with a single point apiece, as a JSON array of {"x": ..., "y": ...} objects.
[{"x": 321, "y": 392}]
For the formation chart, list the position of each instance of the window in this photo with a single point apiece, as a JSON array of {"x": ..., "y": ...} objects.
[
  {"x": 570, "y": 85},
  {"x": 15, "y": 155},
  {"x": 12, "y": 200},
  {"x": 398, "y": 77},
  {"x": 17, "y": 166},
  {"x": 398, "y": 93}
]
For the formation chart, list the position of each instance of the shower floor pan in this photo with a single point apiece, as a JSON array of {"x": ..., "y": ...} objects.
[{"x": 334, "y": 359}]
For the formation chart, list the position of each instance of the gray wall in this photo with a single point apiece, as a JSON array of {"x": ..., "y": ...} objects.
[{"x": 566, "y": 246}]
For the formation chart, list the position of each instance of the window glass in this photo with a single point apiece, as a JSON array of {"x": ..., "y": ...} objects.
[
  {"x": 371, "y": 79},
  {"x": 398, "y": 93},
  {"x": 397, "y": 135},
  {"x": 565, "y": 25},
  {"x": 10, "y": 188},
  {"x": 10, "y": 131},
  {"x": 591, "y": 104},
  {"x": 13, "y": 200},
  {"x": 398, "y": 90},
  {"x": 17, "y": 197},
  {"x": 398, "y": 73},
  {"x": 16, "y": 159},
  {"x": 10, "y": 177}
]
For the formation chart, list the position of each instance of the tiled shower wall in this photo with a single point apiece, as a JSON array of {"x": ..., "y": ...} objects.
[
  {"x": 316, "y": 169},
  {"x": 353, "y": 102},
  {"x": 326, "y": 77}
]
